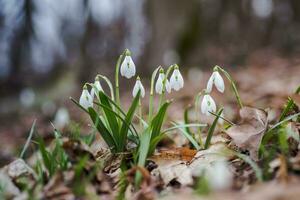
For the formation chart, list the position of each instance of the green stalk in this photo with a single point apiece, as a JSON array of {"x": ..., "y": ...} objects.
[
  {"x": 232, "y": 83},
  {"x": 140, "y": 113},
  {"x": 152, "y": 93},
  {"x": 212, "y": 129},
  {"x": 117, "y": 80},
  {"x": 161, "y": 98},
  {"x": 197, "y": 109}
]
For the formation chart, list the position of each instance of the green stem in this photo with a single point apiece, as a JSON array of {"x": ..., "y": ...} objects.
[
  {"x": 152, "y": 93},
  {"x": 141, "y": 114},
  {"x": 233, "y": 85},
  {"x": 197, "y": 109},
  {"x": 117, "y": 80}
]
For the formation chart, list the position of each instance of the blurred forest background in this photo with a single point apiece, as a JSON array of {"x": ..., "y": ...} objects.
[{"x": 48, "y": 48}]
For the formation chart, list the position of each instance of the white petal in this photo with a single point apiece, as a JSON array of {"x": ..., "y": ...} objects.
[
  {"x": 159, "y": 84},
  {"x": 98, "y": 86},
  {"x": 86, "y": 99},
  {"x": 204, "y": 107},
  {"x": 142, "y": 90},
  {"x": 208, "y": 105},
  {"x": 219, "y": 82},
  {"x": 210, "y": 83},
  {"x": 211, "y": 104},
  {"x": 93, "y": 93},
  {"x": 123, "y": 67},
  {"x": 176, "y": 80},
  {"x": 168, "y": 86},
  {"x": 138, "y": 86},
  {"x": 127, "y": 67}
]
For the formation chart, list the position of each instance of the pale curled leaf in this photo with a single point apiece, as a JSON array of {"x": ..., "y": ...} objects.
[{"x": 249, "y": 133}]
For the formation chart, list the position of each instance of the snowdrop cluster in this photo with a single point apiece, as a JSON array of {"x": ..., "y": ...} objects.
[
  {"x": 208, "y": 104},
  {"x": 128, "y": 70}
]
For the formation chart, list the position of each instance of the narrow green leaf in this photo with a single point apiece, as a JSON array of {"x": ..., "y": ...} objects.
[
  {"x": 187, "y": 135},
  {"x": 128, "y": 120},
  {"x": 186, "y": 120},
  {"x": 106, "y": 135},
  {"x": 288, "y": 108},
  {"x": 28, "y": 139},
  {"x": 212, "y": 129},
  {"x": 110, "y": 115},
  {"x": 157, "y": 121},
  {"x": 77, "y": 104}
]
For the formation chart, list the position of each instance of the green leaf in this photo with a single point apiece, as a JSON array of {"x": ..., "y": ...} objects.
[
  {"x": 77, "y": 104},
  {"x": 128, "y": 120},
  {"x": 46, "y": 156},
  {"x": 28, "y": 139},
  {"x": 187, "y": 135},
  {"x": 110, "y": 115},
  {"x": 290, "y": 105},
  {"x": 157, "y": 121},
  {"x": 186, "y": 120},
  {"x": 212, "y": 129},
  {"x": 106, "y": 135}
]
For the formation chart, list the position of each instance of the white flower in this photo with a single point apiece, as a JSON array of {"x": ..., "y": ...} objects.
[
  {"x": 176, "y": 80},
  {"x": 160, "y": 82},
  {"x": 208, "y": 105},
  {"x": 97, "y": 86},
  {"x": 86, "y": 99},
  {"x": 127, "y": 66},
  {"x": 61, "y": 118},
  {"x": 219, "y": 175},
  {"x": 216, "y": 79},
  {"x": 138, "y": 86}
]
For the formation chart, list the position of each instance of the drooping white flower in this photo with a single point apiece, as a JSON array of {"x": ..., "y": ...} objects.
[
  {"x": 217, "y": 80},
  {"x": 219, "y": 175},
  {"x": 138, "y": 86},
  {"x": 160, "y": 82},
  {"x": 208, "y": 105},
  {"x": 97, "y": 86},
  {"x": 127, "y": 66},
  {"x": 61, "y": 118},
  {"x": 176, "y": 80},
  {"x": 86, "y": 99}
]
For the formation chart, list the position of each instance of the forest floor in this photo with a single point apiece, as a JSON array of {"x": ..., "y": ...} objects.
[{"x": 175, "y": 171}]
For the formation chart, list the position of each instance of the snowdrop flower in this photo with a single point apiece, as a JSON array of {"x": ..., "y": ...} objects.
[
  {"x": 208, "y": 105},
  {"x": 86, "y": 99},
  {"x": 137, "y": 87},
  {"x": 61, "y": 118},
  {"x": 97, "y": 86},
  {"x": 219, "y": 175},
  {"x": 216, "y": 79},
  {"x": 127, "y": 66},
  {"x": 160, "y": 82},
  {"x": 176, "y": 80}
]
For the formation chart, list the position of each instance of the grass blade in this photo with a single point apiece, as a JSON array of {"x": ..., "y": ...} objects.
[
  {"x": 187, "y": 135},
  {"x": 106, "y": 135},
  {"x": 28, "y": 139},
  {"x": 212, "y": 129},
  {"x": 128, "y": 120},
  {"x": 110, "y": 115}
]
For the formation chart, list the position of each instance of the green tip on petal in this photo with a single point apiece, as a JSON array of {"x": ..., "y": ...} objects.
[
  {"x": 127, "y": 52},
  {"x": 216, "y": 68},
  {"x": 85, "y": 87},
  {"x": 161, "y": 70}
]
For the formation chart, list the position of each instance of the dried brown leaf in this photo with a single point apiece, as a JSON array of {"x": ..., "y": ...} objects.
[{"x": 249, "y": 133}]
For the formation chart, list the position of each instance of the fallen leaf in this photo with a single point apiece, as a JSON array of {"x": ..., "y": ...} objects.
[{"x": 249, "y": 133}]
